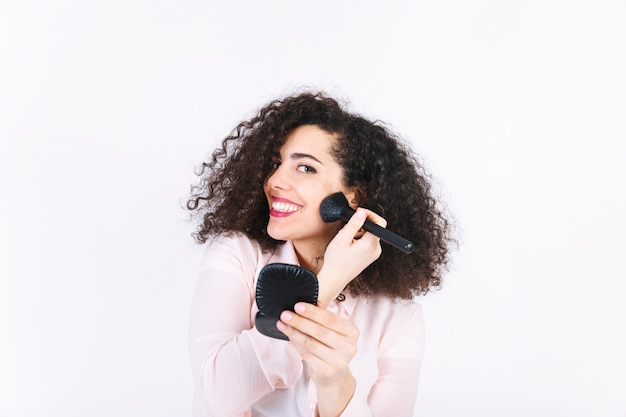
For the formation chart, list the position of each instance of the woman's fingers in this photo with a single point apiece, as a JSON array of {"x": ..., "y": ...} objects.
[
  {"x": 322, "y": 326},
  {"x": 319, "y": 323},
  {"x": 326, "y": 341},
  {"x": 354, "y": 226}
]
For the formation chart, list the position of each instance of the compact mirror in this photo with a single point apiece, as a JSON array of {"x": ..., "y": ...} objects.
[{"x": 279, "y": 287}]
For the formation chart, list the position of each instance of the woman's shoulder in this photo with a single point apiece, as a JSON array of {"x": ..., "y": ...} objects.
[
  {"x": 233, "y": 240},
  {"x": 396, "y": 325},
  {"x": 236, "y": 248},
  {"x": 379, "y": 302},
  {"x": 232, "y": 250},
  {"x": 383, "y": 309}
]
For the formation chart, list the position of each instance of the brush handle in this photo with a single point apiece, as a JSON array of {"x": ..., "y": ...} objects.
[{"x": 384, "y": 234}]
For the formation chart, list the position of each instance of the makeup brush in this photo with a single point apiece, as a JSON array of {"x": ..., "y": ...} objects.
[{"x": 336, "y": 207}]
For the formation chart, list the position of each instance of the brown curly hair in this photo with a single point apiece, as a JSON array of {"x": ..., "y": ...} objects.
[{"x": 391, "y": 180}]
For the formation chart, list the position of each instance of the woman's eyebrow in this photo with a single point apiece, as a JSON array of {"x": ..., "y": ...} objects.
[{"x": 298, "y": 155}]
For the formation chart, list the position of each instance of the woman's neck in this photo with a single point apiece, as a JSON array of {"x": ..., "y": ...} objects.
[{"x": 310, "y": 255}]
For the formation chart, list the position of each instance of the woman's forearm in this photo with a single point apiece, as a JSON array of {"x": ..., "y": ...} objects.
[
  {"x": 333, "y": 399},
  {"x": 245, "y": 369}
]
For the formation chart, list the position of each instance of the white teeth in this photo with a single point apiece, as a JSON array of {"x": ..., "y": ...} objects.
[{"x": 284, "y": 207}]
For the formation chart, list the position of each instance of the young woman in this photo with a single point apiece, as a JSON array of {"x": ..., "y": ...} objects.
[{"x": 358, "y": 351}]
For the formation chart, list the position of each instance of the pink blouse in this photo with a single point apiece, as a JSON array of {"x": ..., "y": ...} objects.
[{"x": 241, "y": 373}]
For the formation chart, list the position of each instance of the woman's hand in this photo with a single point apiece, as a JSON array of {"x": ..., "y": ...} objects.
[
  {"x": 327, "y": 342},
  {"x": 348, "y": 254}
]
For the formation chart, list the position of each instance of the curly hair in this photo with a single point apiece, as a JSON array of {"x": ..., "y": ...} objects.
[{"x": 391, "y": 180}]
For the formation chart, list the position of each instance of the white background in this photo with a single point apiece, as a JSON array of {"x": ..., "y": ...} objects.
[{"x": 517, "y": 107}]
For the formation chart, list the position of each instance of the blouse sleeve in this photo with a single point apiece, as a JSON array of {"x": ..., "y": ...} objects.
[
  {"x": 395, "y": 390},
  {"x": 233, "y": 364}
]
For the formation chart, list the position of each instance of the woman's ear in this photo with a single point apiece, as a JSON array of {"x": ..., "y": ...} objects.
[{"x": 355, "y": 197}]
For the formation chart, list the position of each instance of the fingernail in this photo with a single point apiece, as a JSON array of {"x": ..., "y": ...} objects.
[
  {"x": 299, "y": 308},
  {"x": 286, "y": 316},
  {"x": 280, "y": 325},
  {"x": 360, "y": 213}
]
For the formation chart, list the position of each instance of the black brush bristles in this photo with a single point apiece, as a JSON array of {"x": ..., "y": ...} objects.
[{"x": 331, "y": 207}]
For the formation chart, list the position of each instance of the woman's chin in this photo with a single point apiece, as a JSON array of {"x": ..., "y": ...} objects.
[{"x": 276, "y": 234}]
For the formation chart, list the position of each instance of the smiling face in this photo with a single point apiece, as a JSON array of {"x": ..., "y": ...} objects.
[{"x": 304, "y": 173}]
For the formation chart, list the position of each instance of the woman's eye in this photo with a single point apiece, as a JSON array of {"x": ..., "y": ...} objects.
[
  {"x": 306, "y": 169},
  {"x": 275, "y": 165}
]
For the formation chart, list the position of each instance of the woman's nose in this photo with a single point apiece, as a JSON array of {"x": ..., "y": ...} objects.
[{"x": 278, "y": 179}]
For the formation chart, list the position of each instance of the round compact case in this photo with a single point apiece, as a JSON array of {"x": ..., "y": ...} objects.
[{"x": 279, "y": 287}]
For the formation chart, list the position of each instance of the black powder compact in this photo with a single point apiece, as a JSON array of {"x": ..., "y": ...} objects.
[{"x": 279, "y": 287}]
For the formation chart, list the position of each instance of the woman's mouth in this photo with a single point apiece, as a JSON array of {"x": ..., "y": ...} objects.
[{"x": 282, "y": 208}]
